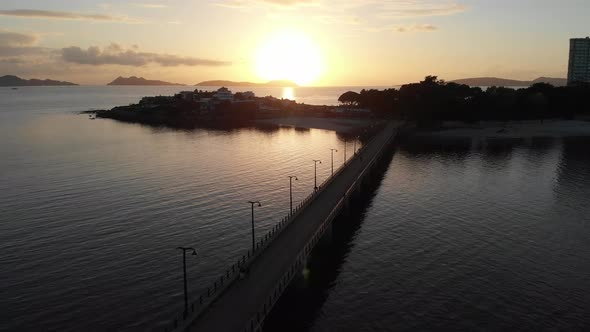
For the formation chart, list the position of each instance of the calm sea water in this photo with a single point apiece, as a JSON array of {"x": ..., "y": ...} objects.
[
  {"x": 91, "y": 211},
  {"x": 458, "y": 235}
]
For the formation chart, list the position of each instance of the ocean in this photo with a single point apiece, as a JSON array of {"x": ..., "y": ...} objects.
[{"x": 456, "y": 235}]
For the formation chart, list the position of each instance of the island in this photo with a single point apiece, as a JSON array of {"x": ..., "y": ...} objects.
[
  {"x": 222, "y": 109},
  {"x": 134, "y": 80},
  {"x": 494, "y": 81},
  {"x": 270, "y": 84},
  {"x": 11, "y": 80},
  {"x": 427, "y": 105}
]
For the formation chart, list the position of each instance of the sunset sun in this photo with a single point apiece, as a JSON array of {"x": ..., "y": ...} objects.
[{"x": 289, "y": 56}]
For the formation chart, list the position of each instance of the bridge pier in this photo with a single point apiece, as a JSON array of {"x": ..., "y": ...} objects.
[{"x": 327, "y": 238}]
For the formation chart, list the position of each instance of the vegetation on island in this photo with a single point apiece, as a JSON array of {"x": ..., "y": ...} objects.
[
  {"x": 432, "y": 101},
  {"x": 11, "y": 80},
  {"x": 217, "y": 109}
]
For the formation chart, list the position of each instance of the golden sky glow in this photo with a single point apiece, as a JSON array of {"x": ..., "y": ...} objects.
[{"x": 311, "y": 42}]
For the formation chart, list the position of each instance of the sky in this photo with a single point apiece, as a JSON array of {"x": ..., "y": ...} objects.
[{"x": 311, "y": 42}]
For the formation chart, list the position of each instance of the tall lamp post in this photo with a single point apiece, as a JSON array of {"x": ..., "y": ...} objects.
[
  {"x": 194, "y": 253},
  {"x": 315, "y": 173},
  {"x": 291, "y": 177},
  {"x": 253, "y": 237},
  {"x": 333, "y": 150},
  {"x": 345, "y": 151}
]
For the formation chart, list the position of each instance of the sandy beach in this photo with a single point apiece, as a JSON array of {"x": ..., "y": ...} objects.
[
  {"x": 512, "y": 129},
  {"x": 340, "y": 125}
]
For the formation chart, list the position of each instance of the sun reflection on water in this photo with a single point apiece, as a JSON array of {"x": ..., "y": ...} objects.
[{"x": 288, "y": 93}]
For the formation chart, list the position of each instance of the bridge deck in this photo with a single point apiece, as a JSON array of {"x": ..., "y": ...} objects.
[{"x": 234, "y": 308}]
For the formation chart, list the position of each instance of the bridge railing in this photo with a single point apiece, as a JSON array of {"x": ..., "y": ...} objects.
[
  {"x": 199, "y": 304},
  {"x": 255, "y": 323}
]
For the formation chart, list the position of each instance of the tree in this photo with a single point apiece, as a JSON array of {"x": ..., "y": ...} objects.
[{"x": 349, "y": 98}]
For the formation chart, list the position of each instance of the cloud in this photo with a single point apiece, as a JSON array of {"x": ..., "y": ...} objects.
[
  {"x": 415, "y": 27},
  {"x": 8, "y": 38},
  {"x": 290, "y": 2},
  {"x": 13, "y": 61},
  {"x": 286, "y": 4},
  {"x": 386, "y": 14},
  {"x": 58, "y": 15},
  {"x": 387, "y": 8},
  {"x": 18, "y": 44},
  {"x": 151, "y": 5},
  {"x": 404, "y": 9},
  {"x": 115, "y": 54}
]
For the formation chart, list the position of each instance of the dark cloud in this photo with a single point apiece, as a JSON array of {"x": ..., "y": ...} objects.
[
  {"x": 8, "y": 38},
  {"x": 13, "y": 61},
  {"x": 18, "y": 44},
  {"x": 48, "y": 14},
  {"x": 10, "y": 51},
  {"x": 115, "y": 54}
]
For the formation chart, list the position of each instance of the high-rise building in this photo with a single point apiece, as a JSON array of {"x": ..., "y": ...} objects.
[{"x": 579, "y": 64}]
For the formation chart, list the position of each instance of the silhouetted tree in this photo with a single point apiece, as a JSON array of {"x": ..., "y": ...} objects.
[{"x": 349, "y": 98}]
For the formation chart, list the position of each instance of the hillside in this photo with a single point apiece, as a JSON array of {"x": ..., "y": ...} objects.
[
  {"x": 494, "y": 81},
  {"x": 279, "y": 83},
  {"x": 11, "y": 80},
  {"x": 133, "y": 80}
]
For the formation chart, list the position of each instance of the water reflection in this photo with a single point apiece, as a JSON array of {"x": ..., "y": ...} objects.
[
  {"x": 288, "y": 93},
  {"x": 572, "y": 188},
  {"x": 449, "y": 242}
]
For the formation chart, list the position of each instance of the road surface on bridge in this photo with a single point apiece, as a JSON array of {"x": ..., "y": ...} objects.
[{"x": 234, "y": 308}]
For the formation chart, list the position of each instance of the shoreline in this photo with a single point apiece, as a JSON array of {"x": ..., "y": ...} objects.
[
  {"x": 509, "y": 130},
  {"x": 345, "y": 126},
  {"x": 339, "y": 125}
]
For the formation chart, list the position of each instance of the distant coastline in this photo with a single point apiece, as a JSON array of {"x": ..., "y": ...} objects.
[
  {"x": 11, "y": 80},
  {"x": 134, "y": 80},
  {"x": 273, "y": 84},
  {"x": 495, "y": 81}
]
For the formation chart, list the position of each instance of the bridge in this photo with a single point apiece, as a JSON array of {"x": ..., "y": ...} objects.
[{"x": 241, "y": 298}]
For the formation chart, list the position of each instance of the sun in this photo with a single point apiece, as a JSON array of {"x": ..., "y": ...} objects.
[{"x": 289, "y": 55}]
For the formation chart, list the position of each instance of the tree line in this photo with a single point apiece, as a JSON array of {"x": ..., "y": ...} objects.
[{"x": 432, "y": 100}]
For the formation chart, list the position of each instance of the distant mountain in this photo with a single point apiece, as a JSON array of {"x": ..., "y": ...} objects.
[
  {"x": 11, "y": 80},
  {"x": 278, "y": 83},
  {"x": 494, "y": 81},
  {"x": 551, "y": 80},
  {"x": 133, "y": 80}
]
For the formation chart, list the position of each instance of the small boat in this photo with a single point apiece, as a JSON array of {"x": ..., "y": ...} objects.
[{"x": 14, "y": 88}]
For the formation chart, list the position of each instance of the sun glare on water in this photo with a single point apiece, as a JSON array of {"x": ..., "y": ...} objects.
[{"x": 289, "y": 56}]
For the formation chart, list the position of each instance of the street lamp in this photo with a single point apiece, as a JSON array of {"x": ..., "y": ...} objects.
[
  {"x": 345, "y": 151},
  {"x": 333, "y": 150},
  {"x": 291, "y": 191},
  {"x": 253, "y": 238},
  {"x": 184, "y": 250},
  {"x": 315, "y": 172}
]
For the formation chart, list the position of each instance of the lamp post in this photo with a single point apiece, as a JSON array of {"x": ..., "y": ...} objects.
[
  {"x": 315, "y": 172},
  {"x": 291, "y": 177},
  {"x": 333, "y": 150},
  {"x": 345, "y": 151},
  {"x": 253, "y": 237},
  {"x": 184, "y": 250}
]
